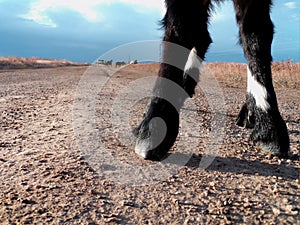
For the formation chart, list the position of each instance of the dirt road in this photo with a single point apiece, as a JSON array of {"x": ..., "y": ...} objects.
[{"x": 46, "y": 178}]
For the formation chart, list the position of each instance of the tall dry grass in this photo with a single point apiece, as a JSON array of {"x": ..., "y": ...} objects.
[{"x": 285, "y": 74}]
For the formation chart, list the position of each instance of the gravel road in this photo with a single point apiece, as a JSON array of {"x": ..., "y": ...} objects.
[{"x": 46, "y": 178}]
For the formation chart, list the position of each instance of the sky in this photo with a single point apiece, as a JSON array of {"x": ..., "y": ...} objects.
[{"x": 84, "y": 30}]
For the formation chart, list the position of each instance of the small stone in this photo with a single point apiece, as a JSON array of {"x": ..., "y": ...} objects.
[
  {"x": 212, "y": 184},
  {"x": 28, "y": 202},
  {"x": 125, "y": 203},
  {"x": 246, "y": 205},
  {"x": 110, "y": 220},
  {"x": 175, "y": 201},
  {"x": 206, "y": 193},
  {"x": 276, "y": 211},
  {"x": 285, "y": 200},
  {"x": 294, "y": 212},
  {"x": 275, "y": 190},
  {"x": 93, "y": 192}
]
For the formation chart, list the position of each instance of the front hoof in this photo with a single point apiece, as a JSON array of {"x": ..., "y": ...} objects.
[
  {"x": 143, "y": 148},
  {"x": 158, "y": 131},
  {"x": 156, "y": 138}
]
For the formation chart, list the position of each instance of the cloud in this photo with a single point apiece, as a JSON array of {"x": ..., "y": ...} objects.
[
  {"x": 90, "y": 10},
  {"x": 219, "y": 16},
  {"x": 39, "y": 10},
  {"x": 290, "y": 5},
  {"x": 223, "y": 13}
]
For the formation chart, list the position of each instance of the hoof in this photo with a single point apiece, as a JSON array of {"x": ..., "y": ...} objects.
[
  {"x": 155, "y": 148},
  {"x": 143, "y": 148},
  {"x": 271, "y": 135},
  {"x": 273, "y": 149},
  {"x": 158, "y": 131}
]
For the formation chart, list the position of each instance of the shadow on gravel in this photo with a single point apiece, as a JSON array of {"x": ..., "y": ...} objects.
[{"x": 243, "y": 166}]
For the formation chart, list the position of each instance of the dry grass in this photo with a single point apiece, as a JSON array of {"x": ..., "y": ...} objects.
[
  {"x": 285, "y": 74},
  {"x": 229, "y": 74},
  {"x": 150, "y": 68},
  {"x": 13, "y": 62}
]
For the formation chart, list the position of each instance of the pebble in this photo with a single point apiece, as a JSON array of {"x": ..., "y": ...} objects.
[{"x": 276, "y": 211}]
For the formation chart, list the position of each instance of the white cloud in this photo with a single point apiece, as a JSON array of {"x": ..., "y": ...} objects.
[
  {"x": 39, "y": 10},
  {"x": 222, "y": 13},
  {"x": 290, "y": 5},
  {"x": 86, "y": 8},
  {"x": 215, "y": 17}
]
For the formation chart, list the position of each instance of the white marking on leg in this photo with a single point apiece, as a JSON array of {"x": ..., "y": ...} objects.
[
  {"x": 194, "y": 61},
  {"x": 258, "y": 91}
]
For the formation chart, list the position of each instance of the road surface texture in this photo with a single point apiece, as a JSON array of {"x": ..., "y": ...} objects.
[{"x": 46, "y": 178}]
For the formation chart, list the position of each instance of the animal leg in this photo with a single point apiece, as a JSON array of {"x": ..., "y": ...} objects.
[
  {"x": 261, "y": 108},
  {"x": 185, "y": 25}
]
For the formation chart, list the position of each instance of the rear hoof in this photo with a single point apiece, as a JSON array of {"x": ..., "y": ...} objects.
[
  {"x": 273, "y": 149},
  {"x": 272, "y": 138}
]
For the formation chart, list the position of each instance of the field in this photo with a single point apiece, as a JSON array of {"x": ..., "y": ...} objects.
[
  {"x": 13, "y": 62},
  {"x": 46, "y": 178}
]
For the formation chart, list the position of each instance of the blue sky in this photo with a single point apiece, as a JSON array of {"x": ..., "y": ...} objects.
[{"x": 83, "y": 30}]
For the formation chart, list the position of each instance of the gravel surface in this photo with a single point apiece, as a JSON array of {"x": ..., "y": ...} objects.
[{"x": 46, "y": 178}]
